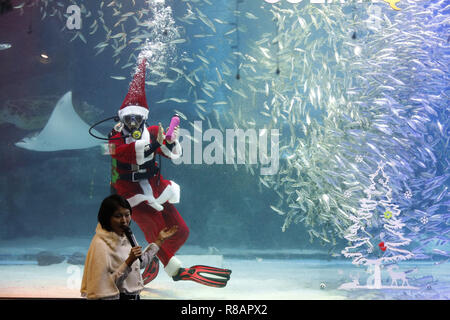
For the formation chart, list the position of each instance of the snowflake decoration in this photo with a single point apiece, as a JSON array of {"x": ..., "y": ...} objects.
[
  {"x": 424, "y": 220},
  {"x": 359, "y": 158},
  {"x": 408, "y": 194},
  {"x": 347, "y": 194}
]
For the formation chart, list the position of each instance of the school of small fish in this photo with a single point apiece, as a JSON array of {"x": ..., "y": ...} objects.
[
  {"x": 131, "y": 30},
  {"x": 342, "y": 103},
  {"x": 383, "y": 96}
]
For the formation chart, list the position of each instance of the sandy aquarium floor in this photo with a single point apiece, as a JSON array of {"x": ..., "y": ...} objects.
[{"x": 281, "y": 275}]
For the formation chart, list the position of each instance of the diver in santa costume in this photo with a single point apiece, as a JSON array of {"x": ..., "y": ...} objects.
[{"x": 136, "y": 176}]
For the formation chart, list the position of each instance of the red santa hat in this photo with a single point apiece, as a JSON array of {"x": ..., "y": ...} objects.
[{"x": 135, "y": 102}]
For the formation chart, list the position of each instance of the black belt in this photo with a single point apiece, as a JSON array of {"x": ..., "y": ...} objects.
[
  {"x": 135, "y": 176},
  {"x": 135, "y": 167}
]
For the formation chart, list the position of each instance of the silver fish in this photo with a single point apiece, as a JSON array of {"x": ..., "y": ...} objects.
[{"x": 4, "y": 46}]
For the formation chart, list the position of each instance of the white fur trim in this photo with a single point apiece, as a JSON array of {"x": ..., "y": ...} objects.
[
  {"x": 146, "y": 188},
  {"x": 139, "y": 146},
  {"x": 148, "y": 192},
  {"x": 139, "y": 149},
  {"x": 171, "y": 193},
  {"x": 156, "y": 206},
  {"x": 138, "y": 198},
  {"x": 173, "y": 266},
  {"x": 175, "y": 153},
  {"x": 176, "y": 193},
  {"x": 133, "y": 110},
  {"x": 147, "y": 196}
]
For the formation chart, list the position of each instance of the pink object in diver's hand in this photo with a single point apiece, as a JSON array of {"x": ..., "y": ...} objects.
[{"x": 173, "y": 123}]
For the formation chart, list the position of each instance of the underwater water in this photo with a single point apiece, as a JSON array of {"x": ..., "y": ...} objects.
[{"x": 315, "y": 140}]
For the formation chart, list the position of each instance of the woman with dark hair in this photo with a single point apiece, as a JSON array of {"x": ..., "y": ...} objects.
[{"x": 111, "y": 270}]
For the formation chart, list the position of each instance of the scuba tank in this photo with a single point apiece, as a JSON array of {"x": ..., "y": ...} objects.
[{"x": 114, "y": 174}]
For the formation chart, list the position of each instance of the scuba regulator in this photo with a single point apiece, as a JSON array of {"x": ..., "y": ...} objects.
[{"x": 133, "y": 124}]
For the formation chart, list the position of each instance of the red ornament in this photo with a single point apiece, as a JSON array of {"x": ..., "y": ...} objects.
[{"x": 382, "y": 247}]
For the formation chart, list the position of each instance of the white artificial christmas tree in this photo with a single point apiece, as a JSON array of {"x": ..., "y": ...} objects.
[{"x": 376, "y": 236}]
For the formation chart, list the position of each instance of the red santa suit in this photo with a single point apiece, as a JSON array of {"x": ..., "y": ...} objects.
[{"x": 138, "y": 178}]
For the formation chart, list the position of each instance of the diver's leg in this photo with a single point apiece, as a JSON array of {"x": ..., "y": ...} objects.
[
  {"x": 149, "y": 221},
  {"x": 170, "y": 246}
]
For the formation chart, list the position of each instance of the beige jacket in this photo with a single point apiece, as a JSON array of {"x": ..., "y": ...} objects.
[{"x": 105, "y": 272}]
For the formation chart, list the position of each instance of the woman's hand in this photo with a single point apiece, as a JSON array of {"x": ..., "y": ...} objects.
[
  {"x": 135, "y": 253},
  {"x": 166, "y": 233}
]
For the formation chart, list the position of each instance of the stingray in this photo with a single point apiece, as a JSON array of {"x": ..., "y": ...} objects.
[{"x": 65, "y": 130}]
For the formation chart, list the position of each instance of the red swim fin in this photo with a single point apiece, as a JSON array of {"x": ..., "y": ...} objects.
[
  {"x": 151, "y": 271},
  {"x": 208, "y": 276}
]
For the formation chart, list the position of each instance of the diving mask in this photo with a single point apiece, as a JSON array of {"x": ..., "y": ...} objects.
[{"x": 133, "y": 123}]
